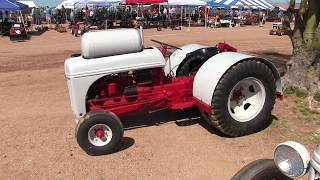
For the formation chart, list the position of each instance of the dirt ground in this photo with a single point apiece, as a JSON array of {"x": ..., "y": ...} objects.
[{"x": 37, "y": 125}]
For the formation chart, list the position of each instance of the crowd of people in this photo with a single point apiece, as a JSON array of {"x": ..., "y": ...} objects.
[{"x": 153, "y": 15}]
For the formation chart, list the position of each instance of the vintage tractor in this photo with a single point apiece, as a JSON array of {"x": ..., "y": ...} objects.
[
  {"x": 18, "y": 32},
  {"x": 116, "y": 75},
  {"x": 79, "y": 28},
  {"x": 277, "y": 29}
]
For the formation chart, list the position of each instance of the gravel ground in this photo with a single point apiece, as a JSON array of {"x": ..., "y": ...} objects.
[{"x": 37, "y": 123}]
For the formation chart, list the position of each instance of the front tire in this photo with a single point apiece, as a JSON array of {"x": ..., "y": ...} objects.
[
  {"x": 243, "y": 99},
  {"x": 262, "y": 169},
  {"x": 99, "y": 132}
]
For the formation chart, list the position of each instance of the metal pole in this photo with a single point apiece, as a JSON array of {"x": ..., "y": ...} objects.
[
  {"x": 181, "y": 17},
  {"x": 189, "y": 22},
  {"x": 205, "y": 17}
]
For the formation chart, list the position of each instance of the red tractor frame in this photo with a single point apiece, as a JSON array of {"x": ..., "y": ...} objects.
[{"x": 234, "y": 92}]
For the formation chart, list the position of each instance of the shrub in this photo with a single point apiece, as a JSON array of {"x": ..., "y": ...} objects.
[
  {"x": 289, "y": 91},
  {"x": 301, "y": 93},
  {"x": 317, "y": 96}
]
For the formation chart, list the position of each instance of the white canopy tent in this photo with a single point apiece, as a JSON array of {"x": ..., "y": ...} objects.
[
  {"x": 31, "y": 4},
  {"x": 71, "y": 4},
  {"x": 256, "y": 4},
  {"x": 68, "y": 4},
  {"x": 186, "y": 2}
]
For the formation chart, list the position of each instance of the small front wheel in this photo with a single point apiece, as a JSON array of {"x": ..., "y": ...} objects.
[{"x": 99, "y": 132}]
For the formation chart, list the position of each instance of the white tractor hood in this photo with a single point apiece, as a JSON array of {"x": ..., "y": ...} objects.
[{"x": 79, "y": 67}]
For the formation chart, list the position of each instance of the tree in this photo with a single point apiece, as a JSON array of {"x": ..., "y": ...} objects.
[{"x": 303, "y": 69}]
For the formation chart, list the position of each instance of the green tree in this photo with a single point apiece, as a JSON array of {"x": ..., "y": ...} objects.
[{"x": 303, "y": 69}]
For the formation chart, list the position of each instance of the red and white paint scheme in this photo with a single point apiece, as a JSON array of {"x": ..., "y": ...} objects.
[{"x": 116, "y": 75}]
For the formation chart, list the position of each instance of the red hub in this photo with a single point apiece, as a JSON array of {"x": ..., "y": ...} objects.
[
  {"x": 237, "y": 95},
  {"x": 100, "y": 133}
]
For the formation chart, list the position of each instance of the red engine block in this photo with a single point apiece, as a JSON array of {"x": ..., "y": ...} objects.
[
  {"x": 131, "y": 92},
  {"x": 122, "y": 95}
]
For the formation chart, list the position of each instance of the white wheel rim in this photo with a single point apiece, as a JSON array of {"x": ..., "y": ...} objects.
[
  {"x": 246, "y": 99},
  {"x": 100, "y": 141}
]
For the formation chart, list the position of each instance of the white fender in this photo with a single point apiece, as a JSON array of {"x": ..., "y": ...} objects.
[{"x": 210, "y": 73}]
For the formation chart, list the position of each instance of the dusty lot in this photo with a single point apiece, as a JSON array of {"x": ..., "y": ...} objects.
[{"x": 37, "y": 125}]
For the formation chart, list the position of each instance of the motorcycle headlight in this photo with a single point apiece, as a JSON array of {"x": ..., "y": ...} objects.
[{"x": 292, "y": 159}]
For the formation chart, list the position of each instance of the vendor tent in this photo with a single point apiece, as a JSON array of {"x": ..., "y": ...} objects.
[
  {"x": 71, "y": 4},
  {"x": 95, "y": 3},
  {"x": 145, "y": 1},
  {"x": 186, "y": 3},
  {"x": 12, "y": 5},
  {"x": 30, "y": 4},
  {"x": 259, "y": 4},
  {"x": 216, "y": 4},
  {"x": 68, "y": 4}
]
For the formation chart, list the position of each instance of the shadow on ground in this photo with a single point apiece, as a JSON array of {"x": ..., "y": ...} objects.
[
  {"x": 184, "y": 117},
  {"x": 181, "y": 118},
  {"x": 126, "y": 143},
  {"x": 35, "y": 33}
]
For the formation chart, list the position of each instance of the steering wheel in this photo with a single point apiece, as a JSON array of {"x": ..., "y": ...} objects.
[{"x": 165, "y": 44}]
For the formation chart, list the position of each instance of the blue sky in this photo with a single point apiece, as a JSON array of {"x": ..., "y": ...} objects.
[{"x": 51, "y": 3}]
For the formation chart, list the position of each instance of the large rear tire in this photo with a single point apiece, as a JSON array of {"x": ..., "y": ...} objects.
[
  {"x": 243, "y": 99},
  {"x": 262, "y": 169},
  {"x": 99, "y": 132}
]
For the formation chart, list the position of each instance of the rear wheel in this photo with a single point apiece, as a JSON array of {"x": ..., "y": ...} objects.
[
  {"x": 99, "y": 132},
  {"x": 263, "y": 169},
  {"x": 243, "y": 99}
]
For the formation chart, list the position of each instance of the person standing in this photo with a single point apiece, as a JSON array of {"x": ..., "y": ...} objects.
[
  {"x": 37, "y": 16},
  {"x": 48, "y": 15},
  {"x": 72, "y": 16},
  {"x": 263, "y": 18},
  {"x": 87, "y": 15},
  {"x": 33, "y": 15},
  {"x": 63, "y": 15},
  {"x": 172, "y": 13}
]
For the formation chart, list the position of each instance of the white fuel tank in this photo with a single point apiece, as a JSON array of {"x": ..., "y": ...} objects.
[{"x": 111, "y": 42}]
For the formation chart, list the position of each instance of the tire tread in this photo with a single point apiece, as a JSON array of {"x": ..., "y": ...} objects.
[{"x": 217, "y": 118}]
